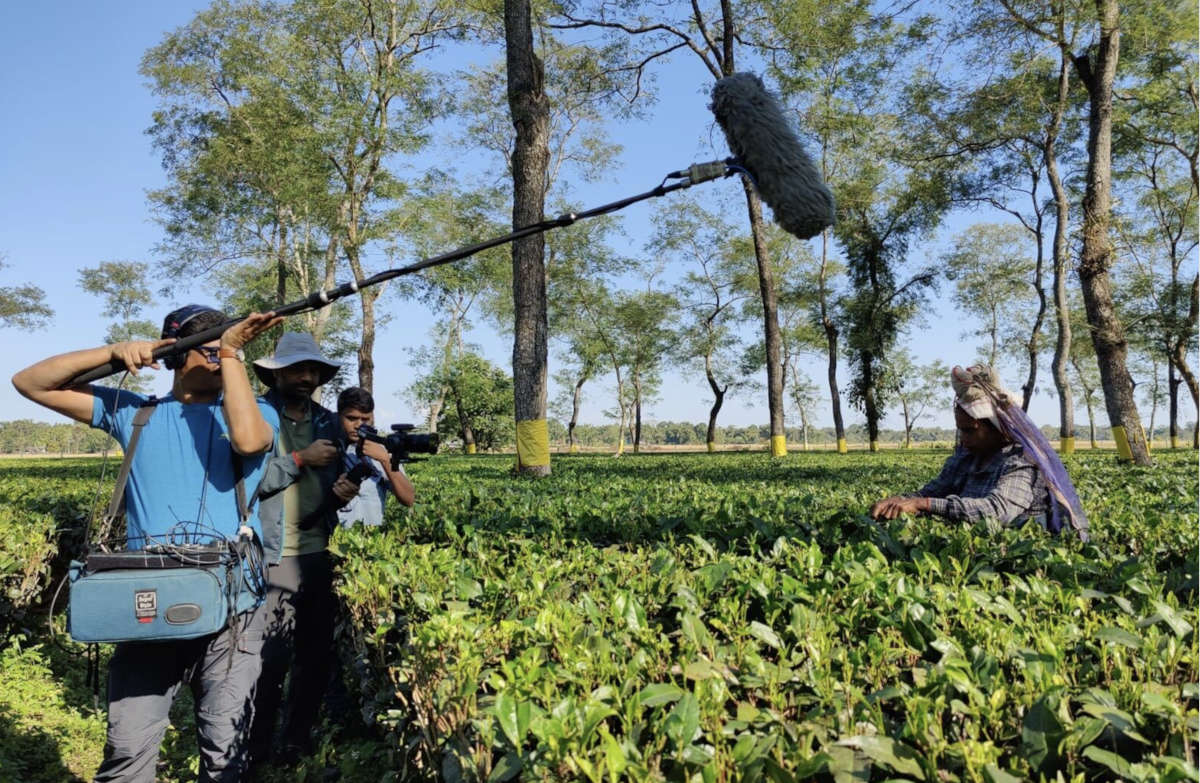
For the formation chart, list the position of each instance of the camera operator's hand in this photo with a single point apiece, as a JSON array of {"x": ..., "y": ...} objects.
[
  {"x": 376, "y": 451},
  {"x": 318, "y": 454},
  {"x": 136, "y": 354},
  {"x": 344, "y": 488}
]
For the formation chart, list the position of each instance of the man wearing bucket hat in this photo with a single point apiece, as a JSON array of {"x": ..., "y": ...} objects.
[
  {"x": 1003, "y": 468},
  {"x": 300, "y": 603}
]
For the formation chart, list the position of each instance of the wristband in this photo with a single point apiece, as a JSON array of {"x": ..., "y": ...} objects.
[
  {"x": 228, "y": 353},
  {"x": 296, "y": 458}
]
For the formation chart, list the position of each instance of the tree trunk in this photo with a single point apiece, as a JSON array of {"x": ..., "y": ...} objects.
[
  {"x": 366, "y": 297},
  {"x": 576, "y": 400},
  {"x": 1033, "y": 345},
  {"x": 718, "y": 401},
  {"x": 1172, "y": 404},
  {"x": 1153, "y": 410},
  {"x": 1179, "y": 355},
  {"x": 1087, "y": 401},
  {"x": 620, "y": 409},
  {"x": 531, "y": 118},
  {"x": 907, "y": 424},
  {"x": 773, "y": 341},
  {"x": 468, "y": 436},
  {"x": 637, "y": 414},
  {"x": 995, "y": 339},
  {"x": 831, "y": 342},
  {"x": 1108, "y": 334},
  {"x": 1062, "y": 309},
  {"x": 870, "y": 409}
]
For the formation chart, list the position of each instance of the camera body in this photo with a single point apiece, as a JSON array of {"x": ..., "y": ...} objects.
[{"x": 401, "y": 443}]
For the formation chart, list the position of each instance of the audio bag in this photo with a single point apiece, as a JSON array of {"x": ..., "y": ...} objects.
[{"x": 159, "y": 593}]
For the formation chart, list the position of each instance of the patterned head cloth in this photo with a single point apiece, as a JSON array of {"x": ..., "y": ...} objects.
[{"x": 979, "y": 393}]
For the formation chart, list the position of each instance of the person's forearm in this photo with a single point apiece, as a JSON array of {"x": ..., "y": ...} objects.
[
  {"x": 42, "y": 382},
  {"x": 50, "y": 374},
  {"x": 249, "y": 432},
  {"x": 402, "y": 488}
]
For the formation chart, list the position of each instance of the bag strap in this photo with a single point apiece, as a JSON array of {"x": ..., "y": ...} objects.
[
  {"x": 116, "y": 506},
  {"x": 240, "y": 489}
]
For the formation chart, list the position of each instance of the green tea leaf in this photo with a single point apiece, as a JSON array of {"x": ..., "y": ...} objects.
[
  {"x": 507, "y": 768},
  {"x": 883, "y": 750},
  {"x": 659, "y": 693},
  {"x": 1109, "y": 759},
  {"x": 1119, "y": 636}
]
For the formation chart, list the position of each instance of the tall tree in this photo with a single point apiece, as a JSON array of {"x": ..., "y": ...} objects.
[
  {"x": 804, "y": 394},
  {"x": 643, "y": 319},
  {"x": 440, "y": 215},
  {"x": 994, "y": 281},
  {"x": 830, "y": 58},
  {"x": 124, "y": 290},
  {"x": 23, "y": 306},
  {"x": 1158, "y": 145},
  {"x": 710, "y": 33},
  {"x": 312, "y": 94},
  {"x": 530, "y": 161},
  {"x": 917, "y": 387},
  {"x": 715, "y": 283},
  {"x": 1095, "y": 64},
  {"x": 884, "y": 205}
]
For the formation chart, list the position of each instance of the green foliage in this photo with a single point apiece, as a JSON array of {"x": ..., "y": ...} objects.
[
  {"x": 992, "y": 272},
  {"x": 480, "y": 397},
  {"x": 43, "y": 507},
  {"x": 25, "y": 436},
  {"x": 671, "y": 617},
  {"x": 718, "y": 617},
  {"x": 23, "y": 306}
]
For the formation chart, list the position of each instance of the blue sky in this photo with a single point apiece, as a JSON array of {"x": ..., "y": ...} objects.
[{"x": 77, "y": 164}]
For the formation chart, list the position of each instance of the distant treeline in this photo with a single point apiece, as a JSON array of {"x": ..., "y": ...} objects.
[
  {"x": 673, "y": 433},
  {"x": 25, "y": 436},
  {"x": 34, "y": 437}
]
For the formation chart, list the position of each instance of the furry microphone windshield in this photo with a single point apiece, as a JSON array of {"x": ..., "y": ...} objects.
[{"x": 768, "y": 149}]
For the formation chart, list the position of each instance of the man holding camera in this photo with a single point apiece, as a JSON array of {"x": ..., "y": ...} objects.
[
  {"x": 305, "y": 470},
  {"x": 196, "y": 445},
  {"x": 377, "y": 480}
]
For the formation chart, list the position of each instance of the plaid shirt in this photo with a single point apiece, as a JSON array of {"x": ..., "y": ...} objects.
[{"x": 1006, "y": 487}]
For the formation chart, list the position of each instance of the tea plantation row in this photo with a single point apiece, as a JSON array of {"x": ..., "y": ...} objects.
[{"x": 728, "y": 617}]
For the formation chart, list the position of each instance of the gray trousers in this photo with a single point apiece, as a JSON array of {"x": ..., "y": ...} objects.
[
  {"x": 143, "y": 679},
  {"x": 301, "y": 609}
]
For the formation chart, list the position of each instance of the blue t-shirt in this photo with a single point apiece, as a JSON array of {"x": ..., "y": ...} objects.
[{"x": 182, "y": 478}]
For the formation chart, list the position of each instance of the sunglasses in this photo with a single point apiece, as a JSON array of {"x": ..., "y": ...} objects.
[{"x": 211, "y": 353}]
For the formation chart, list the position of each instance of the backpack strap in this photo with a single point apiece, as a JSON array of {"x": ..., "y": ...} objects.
[{"x": 116, "y": 506}]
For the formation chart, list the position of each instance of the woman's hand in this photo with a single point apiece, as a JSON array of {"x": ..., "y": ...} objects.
[{"x": 890, "y": 508}]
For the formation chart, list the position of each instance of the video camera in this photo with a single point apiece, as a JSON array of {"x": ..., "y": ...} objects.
[{"x": 401, "y": 444}]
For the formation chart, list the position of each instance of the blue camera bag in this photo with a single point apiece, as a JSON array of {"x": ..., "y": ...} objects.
[
  {"x": 162, "y": 593},
  {"x": 147, "y": 603}
]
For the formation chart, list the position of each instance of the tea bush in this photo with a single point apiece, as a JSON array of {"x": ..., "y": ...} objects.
[
  {"x": 43, "y": 506},
  {"x": 708, "y": 617},
  {"x": 728, "y": 617}
]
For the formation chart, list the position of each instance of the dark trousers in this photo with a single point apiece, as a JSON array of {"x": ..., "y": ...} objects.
[
  {"x": 299, "y": 638},
  {"x": 143, "y": 679}
]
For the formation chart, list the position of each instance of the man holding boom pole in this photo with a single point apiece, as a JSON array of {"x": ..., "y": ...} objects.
[{"x": 183, "y": 474}]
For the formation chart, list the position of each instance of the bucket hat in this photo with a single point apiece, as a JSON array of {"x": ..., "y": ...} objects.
[{"x": 293, "y": 348}]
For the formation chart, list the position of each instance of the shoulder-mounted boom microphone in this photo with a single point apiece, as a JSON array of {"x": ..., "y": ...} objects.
[{"x": 767, "y": 148}]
